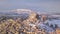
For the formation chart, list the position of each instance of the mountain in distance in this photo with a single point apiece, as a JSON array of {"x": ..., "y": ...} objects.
[{"x": 19, "y": 12}]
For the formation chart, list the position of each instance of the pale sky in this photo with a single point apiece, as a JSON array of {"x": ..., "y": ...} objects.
[{"x": 35, "y": 5}]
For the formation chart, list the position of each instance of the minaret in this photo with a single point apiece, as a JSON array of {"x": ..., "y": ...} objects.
[{"x": 43, "y": 18}]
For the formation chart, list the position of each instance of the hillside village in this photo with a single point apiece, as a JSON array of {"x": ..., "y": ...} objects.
[{"x": 32, "y": 24}]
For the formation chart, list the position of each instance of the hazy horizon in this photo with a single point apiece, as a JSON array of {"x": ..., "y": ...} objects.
[{"x": 35, "y": 5}]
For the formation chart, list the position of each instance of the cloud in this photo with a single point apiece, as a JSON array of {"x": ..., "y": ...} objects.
[{"x": 19, "y": 11}]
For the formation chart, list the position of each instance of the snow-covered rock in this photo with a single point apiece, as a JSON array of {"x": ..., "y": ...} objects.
[{"x": 45, "y": 27}]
